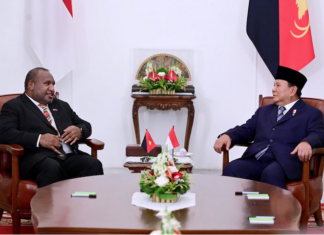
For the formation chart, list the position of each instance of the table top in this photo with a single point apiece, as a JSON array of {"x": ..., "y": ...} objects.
[{"x": 217, "y": 208}]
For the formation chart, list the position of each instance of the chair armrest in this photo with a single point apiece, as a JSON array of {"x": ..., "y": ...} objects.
[
  {"x": 95, "y": 144},
  {"x": 318, "y": 151},
  {"x": 13, "y": 149},
  {"x": 226, "y": 152}
]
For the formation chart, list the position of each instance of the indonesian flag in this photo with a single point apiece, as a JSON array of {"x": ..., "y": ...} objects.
[
  {"x": 172, "y": 141},
  {"x": 280, "y": 31},
  {"x": 52, "y": 36},
  {"x": 148, "y": 143}
]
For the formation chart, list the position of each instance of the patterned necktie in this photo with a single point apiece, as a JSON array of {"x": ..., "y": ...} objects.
[
  {"x": 281, "y": 113},
  {"x": 49, "y": 119},
  {"x": 47, "y": 115}
]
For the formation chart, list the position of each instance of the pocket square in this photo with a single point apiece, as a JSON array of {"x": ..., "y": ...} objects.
[{"x": 55, "y": 109}]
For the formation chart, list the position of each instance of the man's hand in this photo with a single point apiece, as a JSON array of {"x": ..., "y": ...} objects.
[
  {"x": 223, "y": 140},
  {"x": 72, "y": 133},
  {"x": 51, "y": 142},
  {"x": 304, "y": 151}
]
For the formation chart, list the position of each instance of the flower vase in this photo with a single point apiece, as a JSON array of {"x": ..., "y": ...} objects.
[
  {"x": 155, "y": 92},
  {"x": 166, "y": 92},
  {"x": 156, "y": 199}
]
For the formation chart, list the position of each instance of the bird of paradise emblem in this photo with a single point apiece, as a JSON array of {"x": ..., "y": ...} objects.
[{"x": 302, "y": 8}]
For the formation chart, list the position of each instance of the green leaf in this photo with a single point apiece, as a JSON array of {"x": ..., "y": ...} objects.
[
  {"x": 151, "y": 177},
  {"x": 162, "y": 69},
  {"x": 179, "y": 167},
  {"x": 147, "y": 189}
]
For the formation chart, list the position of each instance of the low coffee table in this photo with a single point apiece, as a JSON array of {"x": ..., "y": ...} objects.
[{"x": 217, "y": 208}]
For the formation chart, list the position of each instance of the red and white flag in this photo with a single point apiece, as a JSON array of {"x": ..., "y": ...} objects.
[
  {"x": 52, "y": 35},
  {"x": 172, "y": 141}
]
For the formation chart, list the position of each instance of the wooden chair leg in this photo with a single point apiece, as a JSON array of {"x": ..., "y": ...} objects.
[
  {"x": 318, "y": 217},
  {"x": 303, "y": 222},
  {"x": 1, "y": 213},
  {"x": 15, "y": 223}
]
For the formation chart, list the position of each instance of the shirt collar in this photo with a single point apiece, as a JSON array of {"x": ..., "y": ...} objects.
[
  {"x": 34, "y": 101},
  {"x": 288, "y": 106}
]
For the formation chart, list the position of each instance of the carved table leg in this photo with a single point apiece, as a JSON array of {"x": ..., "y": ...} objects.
[
  {"x": 191, "y": 115},
  {"x": 136, "y": 106}
]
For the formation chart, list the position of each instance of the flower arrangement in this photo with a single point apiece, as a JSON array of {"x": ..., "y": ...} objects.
[
  {"x": 164, "y": 183},
  {"x": 169, "y": 225},
  {"x": 162, "y": 81}
]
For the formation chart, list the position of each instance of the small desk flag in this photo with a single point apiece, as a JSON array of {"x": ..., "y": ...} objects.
[
  {"x": 148, "y": 143},
  {"x": 172, "y": 141}
]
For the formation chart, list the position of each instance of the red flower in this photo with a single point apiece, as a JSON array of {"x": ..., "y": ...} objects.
[
  {"x": 176, "y": 232},
  {"x": 151, "y": 173},
  {"x": 169, "y": 174},
  {"x": 170, "y": 163},
  {"x": 171, "y": 76},
  {"x": 154, "y": 76},
  {"x": 174, "y": 174}
]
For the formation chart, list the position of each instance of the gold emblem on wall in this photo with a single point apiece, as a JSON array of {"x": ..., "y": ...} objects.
[{"x": 302, "y": 8}]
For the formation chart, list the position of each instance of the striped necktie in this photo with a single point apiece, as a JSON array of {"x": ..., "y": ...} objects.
[
  {"x": 47, "y": 115},
  {"x": 281, "y": 113}
]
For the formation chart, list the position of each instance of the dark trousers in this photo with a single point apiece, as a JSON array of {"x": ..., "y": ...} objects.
[
  {"x": 266, "y": 169},
  {"x": 51, "y": 170}
]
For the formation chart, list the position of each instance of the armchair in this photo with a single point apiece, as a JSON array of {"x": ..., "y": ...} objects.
[
  {"x": 308, "y": 191},
  {"x": 16, "y": 194}
]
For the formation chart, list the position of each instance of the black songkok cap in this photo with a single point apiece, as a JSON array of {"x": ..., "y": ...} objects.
[{"x": 291, "y": 76}]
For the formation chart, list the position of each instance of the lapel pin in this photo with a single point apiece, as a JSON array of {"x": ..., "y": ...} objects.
[
  {"x": 294, "y": 112},
  {"x": 55, "y": 110}
]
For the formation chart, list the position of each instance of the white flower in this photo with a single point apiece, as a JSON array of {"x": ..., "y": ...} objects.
[
  {"x": 161, "y": 74},
  {"x": 161, "y": 181},
  {"x": 149, "y": 68},
  {"x": 173, "y": 169},
  {"x": 144, "y": 78},
  {"x": 175, "y": 224},
  {"x": 167, "y": 228},
  {"x": 176, "y": 70}
]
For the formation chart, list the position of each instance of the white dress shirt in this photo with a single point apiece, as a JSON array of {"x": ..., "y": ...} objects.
[{"x": 67, "y": 149}]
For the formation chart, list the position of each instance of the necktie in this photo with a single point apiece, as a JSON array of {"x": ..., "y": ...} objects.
[
  {"x": 49, "y": 119},
  {"x": 281, "y": 113},
  {"x": 48, "y": 116},
  {"x": 260, "y": 154}
]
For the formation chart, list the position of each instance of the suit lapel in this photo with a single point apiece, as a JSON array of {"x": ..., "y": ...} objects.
[
  {"x": 35, "y": 109},
  {"x": 55, "y": 113},
  {"x": 298, "y": 106}
]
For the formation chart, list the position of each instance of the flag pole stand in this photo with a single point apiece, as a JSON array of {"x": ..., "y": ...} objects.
[
  {"x": 174, "y": 160},
  {"x": 147, "y": 158}
]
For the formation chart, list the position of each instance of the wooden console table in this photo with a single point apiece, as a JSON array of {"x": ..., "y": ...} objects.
[
  {"x": 164, "y": 102},
  {"x": 138, "y": 167}
]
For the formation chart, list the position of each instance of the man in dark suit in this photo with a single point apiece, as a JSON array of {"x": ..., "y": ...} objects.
[
  {"x": 283, "y": 135},
  {"x": 49, "y": 131}
]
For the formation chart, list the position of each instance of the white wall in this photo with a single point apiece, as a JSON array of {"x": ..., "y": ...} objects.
[{"x": 114, "y": 37}]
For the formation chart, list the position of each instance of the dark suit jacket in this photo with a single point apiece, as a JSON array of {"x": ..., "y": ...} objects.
[
  {"x": 282, "y": 136},
  {"x": 21, "y": 122}
]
